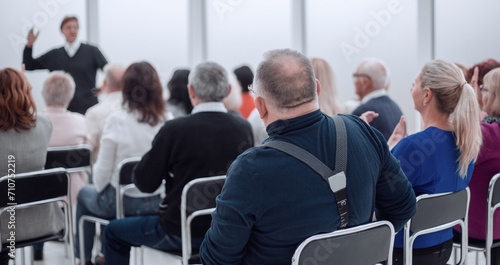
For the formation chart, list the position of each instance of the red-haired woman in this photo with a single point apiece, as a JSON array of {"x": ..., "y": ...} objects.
[{"x": 24, "y": 138}]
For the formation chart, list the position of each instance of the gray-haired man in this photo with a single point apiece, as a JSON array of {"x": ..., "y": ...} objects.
[{"x": 199, "y": 145}]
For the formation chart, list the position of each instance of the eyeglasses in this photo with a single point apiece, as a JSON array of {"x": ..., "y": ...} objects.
[
  {"x": 361, "y": 75},
  {"x": 250, "y": 87},
  {"x": 483, "y": 89}
]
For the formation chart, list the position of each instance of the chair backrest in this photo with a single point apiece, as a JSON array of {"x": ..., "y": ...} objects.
[
  {"x": 494, "y": 192},
  {"x": 125, "y": 169},
  {"x": 34, "y": 186},
  {"x": 436, "y": 212},
  {"x": 493, "y": 203},
  {"x": 197, "y": 199},
  {"x": 74, "y": 158},
  {"x": 36, "y": 189},
  {"x": 361, "y": 245}
]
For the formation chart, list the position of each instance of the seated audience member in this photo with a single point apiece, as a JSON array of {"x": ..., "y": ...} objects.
[
  {"x": 96, "y": 116},
  {"x": 199, "y": 145},
  {"x": 68, "y": 128},
  {"x": 328, "y": 97},
  {"x": 441, "y": 157},
  {"x": 258, "y": 127},
  {"x": 178, "y": 103},
  {"x": 487, "y": 164},
  {"x": 245, "y": 78},
  {"x": 233, "y": 100},
  {"x": 476, "y": 74},
  {"x": 465, "y": 71},
  {"x": 328, "y": 102},
  {"x": 127, "y": 133},
  {"x": 372, "y": 79},
  {"x": 271, "y": 201},
  {"x": 25, "y": 136}
]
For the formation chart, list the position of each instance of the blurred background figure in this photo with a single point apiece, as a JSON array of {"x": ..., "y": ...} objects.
[
  {"x": 372, "y": 79},
  {"x": 128, "y": 132},
  {"x": 95, "y": 117},
  {"x": 68, "y": 128},
  {"x": 482, "y": 69},
  {"x": 245, "y": 78},
  {"x": 25, "y": 136},
  {"x": 178, "y": 103},
  {"x": 233, "y": 100},
  {"x": 487, "y": 165},
  {"x": 328, "y": 98}
]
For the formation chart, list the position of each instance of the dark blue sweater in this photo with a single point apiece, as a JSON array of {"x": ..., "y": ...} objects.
[
  {"x": 389, "y": 114},
  {"x": 271, "y": 202}
]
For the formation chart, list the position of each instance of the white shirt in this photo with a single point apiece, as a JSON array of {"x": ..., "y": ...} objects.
[
  {"x": 374, "y": 94},
  {"x": 96, "y": 116},
  {"x": 123, "y": 137},
  {"x": 258, "y": 127},
  {"x": 72, "y": 48},
  {"x": 209, "y": 107}
]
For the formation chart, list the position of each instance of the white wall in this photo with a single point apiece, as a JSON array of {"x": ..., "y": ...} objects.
[
  {"x": 345, "y": 32},
  {"x": 17, "y": 18},
  {"x": 467, "y": 31},
  {"x": 241, "y": 33},
  {"x": 148, "y": 30}
]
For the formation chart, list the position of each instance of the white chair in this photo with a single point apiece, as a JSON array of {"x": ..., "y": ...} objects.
[
  {"x": 360, "y": 245},
  {"x": 493, "y": 202},
  {"x": 436, "y": 212},
  {"x": 197, "y": 199},
  {"x": 126, "y": 188}
]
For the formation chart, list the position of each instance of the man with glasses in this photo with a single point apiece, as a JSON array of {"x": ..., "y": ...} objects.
[
  {"x": 272, "y": 201},
  {"x": 372, "y": 79}
]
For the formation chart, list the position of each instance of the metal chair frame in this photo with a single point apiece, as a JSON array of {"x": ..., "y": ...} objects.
[
  {"x": 334, "y": 244},
  {"x": 421, "y": 224}
]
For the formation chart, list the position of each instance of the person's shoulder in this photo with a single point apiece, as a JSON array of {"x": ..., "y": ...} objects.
[
  {"x": 43, "y": 123},
  {"x": 490, "y": 130},
  {"x": 89, "y": 47}
]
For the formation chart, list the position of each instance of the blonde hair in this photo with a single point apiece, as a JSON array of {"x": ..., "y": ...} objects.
[
  {"x": 456, "y": 99},
  {"x": 328, "y": 99},
  {"x": 492, "y": 82}
]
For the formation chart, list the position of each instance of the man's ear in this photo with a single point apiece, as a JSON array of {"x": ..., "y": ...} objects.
[
  {"x": 318, "y": 86},
  {"x": 229, "y": 90},
  {"x": 260, "y": 104},
  {"x": 191, "y": 92}
]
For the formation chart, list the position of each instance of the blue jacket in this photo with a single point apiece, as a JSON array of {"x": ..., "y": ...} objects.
[
  {"x": 271, "y": 201},
  {"x": 429, "y": 160}
]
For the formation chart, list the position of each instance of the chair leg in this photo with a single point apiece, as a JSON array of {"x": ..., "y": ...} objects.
[{"x": 23, "y": 261}]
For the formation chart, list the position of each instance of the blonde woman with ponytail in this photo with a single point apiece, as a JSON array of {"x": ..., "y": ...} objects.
[{"x": 441, "y": 157}]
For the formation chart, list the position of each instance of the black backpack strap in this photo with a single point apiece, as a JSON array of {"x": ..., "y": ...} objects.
[{"x": 336, "y": 179}]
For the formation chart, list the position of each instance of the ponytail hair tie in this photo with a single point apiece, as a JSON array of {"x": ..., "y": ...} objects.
[{"x": 463, "y": 84}]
